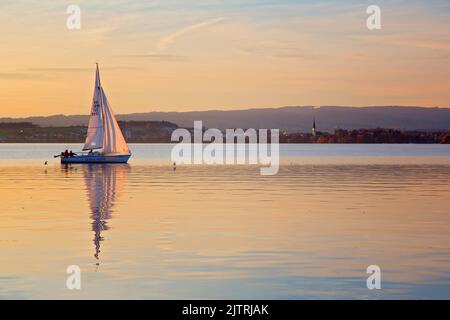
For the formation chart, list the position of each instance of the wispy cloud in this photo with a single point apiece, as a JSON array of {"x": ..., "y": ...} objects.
[
  {"x": 166, "y": 41},
  {"x": 157, "y": 57},
  {"x": 76, "y": 69},
  {"x": 415, "y": 42},
  {"x": 19, "y": 76}
]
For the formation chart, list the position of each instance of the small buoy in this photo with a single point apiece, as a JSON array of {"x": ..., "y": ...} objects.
[
  {"x": 174, "y": 166},
  {"x": 45, "y": 163}
]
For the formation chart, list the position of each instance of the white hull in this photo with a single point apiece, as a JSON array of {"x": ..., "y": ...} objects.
[{"x": 97, "y": 158}]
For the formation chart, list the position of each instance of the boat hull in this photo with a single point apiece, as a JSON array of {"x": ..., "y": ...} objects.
[{"x": 97, "y": 158}]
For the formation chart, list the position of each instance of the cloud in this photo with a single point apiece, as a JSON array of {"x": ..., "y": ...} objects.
[
  {"x": 19, "y": 75},
  {"x": 166, "y": 41},
  {"x": 76, "y": 69},
  {"x": 422, "y": 43},
  {"x": 158, "y": 57}
]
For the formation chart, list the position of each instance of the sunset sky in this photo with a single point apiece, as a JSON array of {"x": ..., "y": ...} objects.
[{"x": 179, "y": 55}]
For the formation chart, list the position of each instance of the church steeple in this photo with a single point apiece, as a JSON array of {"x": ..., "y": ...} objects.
[{"x": 313, "y": 130}]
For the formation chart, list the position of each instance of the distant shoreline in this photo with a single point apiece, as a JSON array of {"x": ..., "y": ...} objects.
[
  {"x": 289, "y": 119},
  {"x": 161, "y": 132}
]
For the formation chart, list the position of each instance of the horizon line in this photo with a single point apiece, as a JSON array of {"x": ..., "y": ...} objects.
[{"x": 232, "y": 110}]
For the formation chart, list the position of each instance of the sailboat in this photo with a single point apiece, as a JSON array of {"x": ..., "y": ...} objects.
[{"x": 104, "y": 140}]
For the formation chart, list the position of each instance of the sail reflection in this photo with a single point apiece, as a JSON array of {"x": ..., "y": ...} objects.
[{"x": 104, "y": 183}]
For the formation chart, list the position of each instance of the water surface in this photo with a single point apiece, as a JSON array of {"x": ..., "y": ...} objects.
[{"x": 143, "y": 230}]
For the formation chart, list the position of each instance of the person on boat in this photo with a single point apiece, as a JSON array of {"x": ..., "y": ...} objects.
[
  {"x": 66, "y": 154},
  {"x": 71, "y": 154}
]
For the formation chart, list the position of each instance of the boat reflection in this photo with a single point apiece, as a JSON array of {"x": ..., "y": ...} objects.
[{"x": 104, "y": 183}]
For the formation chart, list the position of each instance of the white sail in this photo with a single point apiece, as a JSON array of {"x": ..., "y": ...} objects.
[
  {"x": 113, "y": 140},
  {"x": 94, "y": 137}
]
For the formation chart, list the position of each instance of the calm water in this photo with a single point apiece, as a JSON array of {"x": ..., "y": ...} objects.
[{"x": 143, "y": 230}]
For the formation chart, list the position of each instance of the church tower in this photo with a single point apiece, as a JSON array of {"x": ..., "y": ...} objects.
[{"x": 313, "y": 130}]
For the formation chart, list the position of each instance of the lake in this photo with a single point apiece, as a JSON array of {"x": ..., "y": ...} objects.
[{"x": 146, "y": 231}]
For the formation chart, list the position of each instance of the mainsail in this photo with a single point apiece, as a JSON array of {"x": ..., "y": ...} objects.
[
  {"x": 94, "y": 137},
  {"x": 103, "y": 131},
  {"x": 113, "y": 140}
]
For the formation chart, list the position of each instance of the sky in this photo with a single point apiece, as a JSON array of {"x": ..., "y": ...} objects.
[{"x": 183, "y": 55}]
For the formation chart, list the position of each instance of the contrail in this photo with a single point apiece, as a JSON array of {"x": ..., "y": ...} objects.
[{"x": 168, "y": 40}]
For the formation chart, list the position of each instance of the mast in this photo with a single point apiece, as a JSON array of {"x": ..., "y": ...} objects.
[
  {"x": 98, "y": 72},
  {"x": 95, "y": 133},
  {"x": 101, "y": 101}
]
